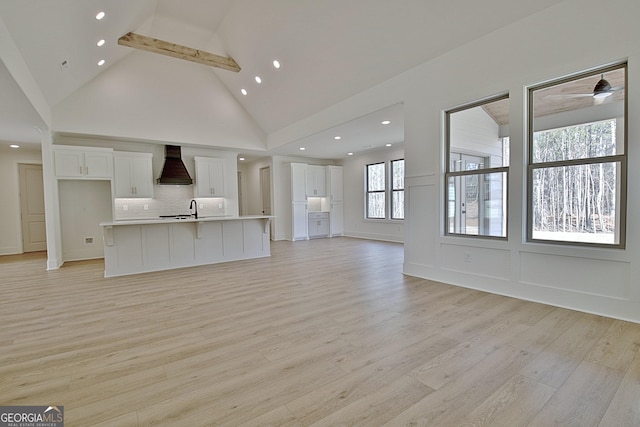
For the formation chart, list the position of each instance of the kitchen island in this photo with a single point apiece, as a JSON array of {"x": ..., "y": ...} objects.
[{"x": 144, "y": 245}]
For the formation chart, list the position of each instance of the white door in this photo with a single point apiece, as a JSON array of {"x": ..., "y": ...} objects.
[
  {"x": 265, "y": 189},
  {"x": 34, "y": 233}
]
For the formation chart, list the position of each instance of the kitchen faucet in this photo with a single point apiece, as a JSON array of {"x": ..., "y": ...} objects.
[{"x": 193, "y": 202}]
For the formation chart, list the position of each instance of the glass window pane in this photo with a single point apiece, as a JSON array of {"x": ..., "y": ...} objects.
[
  {"x": 477, "y": 205},
  {"x": 481, "y": 130},
  {"x": 397, "y": 167},
  {"x": 576, "y": 119},
  {"x": 590, "y": 140},
  {"x": 375, "y": 177},
  {"x": 398, "y": 205},
  {"x": 375, "y": 205},
  {"x": 577, "y": 203}
]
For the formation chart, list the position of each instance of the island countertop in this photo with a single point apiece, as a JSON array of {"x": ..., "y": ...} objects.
[{"x": 143, "y": 221}]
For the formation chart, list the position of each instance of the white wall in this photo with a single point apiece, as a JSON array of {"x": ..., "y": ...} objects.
[
  {"x": 10, "y": 225},
  {"x": 84, "y": 204},
  {"x": 542, "y": 47},
  {"x": 355, "y": 223},
  {"x": 140, "y": 98}
]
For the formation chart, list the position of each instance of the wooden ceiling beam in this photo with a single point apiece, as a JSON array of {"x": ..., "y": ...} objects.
[{"x": 162, "y": 47}]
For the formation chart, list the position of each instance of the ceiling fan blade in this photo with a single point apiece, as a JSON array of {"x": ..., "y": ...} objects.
[{"x": 570, "y": 95}]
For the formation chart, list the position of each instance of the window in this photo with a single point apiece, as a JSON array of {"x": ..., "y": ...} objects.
[
  {"x": 577, "y": 159},
  {"x": 376, "y": 191},
  {"x": 477, "y": 169},
  {"x": 381, "y": 196},
  {"x": 397, "y": 189}
]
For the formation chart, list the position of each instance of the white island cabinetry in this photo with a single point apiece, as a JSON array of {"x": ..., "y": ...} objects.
[{"x": 140, "y": 246}]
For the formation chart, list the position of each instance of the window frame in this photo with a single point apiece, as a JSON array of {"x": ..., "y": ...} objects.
[
  {"x": 368, "y": 191},
  {"x": 621, "y": 158},
  {"x": 481, "y": 173},
  {"x": 394, "y": 190}
]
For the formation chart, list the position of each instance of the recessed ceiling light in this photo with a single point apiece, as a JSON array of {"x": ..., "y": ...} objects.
[
  {"x": 258, "y": 79},
  {"x": 337, "y": 138},
  {"x": 100, "y": 15},
  {"x": 243, "y": 91},
  {"x": 241, "y": 159},
  {"x": 389, "y": 145},
  {"x": 385, "y": 122},
  {"x": 276, "y": 63},
  {"x": 14, "y": 146},
  {"x": 349, "y": 154},
  {"x": 302, "y": 148},
  {"x": 101, "y": 63},
  {"x": 101, "y": 43}
]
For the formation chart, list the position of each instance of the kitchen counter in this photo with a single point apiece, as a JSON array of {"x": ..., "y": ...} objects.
[
  {"x": 174, "y": 220},
  {"x": 145, "y": 245}
]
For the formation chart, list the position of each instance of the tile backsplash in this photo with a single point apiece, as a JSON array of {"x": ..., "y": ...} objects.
[{"x": 167, "y": 200}]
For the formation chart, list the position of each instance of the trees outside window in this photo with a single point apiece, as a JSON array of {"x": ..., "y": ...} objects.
[
  {"x": 397, "y": 189},
  {"x": 376, "y": 191},
  {"x": 385, "y": 198},
  {"x": 577, "y": 161}
]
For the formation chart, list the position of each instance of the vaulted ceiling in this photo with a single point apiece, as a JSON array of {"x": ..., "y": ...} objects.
[{"x": 329, "y": 50}]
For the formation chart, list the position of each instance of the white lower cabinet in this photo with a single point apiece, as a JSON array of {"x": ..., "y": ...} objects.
[
  {"x": 318, "y": 224},
  {"x": 299, "y": 220},
  {"x": 336, "y": 220}
]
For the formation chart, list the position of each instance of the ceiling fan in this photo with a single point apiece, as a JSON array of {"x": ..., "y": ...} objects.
[{"x": 601, "y": 91}]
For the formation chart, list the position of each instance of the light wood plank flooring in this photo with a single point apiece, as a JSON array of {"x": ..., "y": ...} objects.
[{"x": 325, "y": 332}]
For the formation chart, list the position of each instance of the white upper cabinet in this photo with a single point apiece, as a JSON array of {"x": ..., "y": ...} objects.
[
  {"x": 316, "y": 181},
  {"x": 298, "y": 183},
  {"x": 133, "y": 174},
  {"x": 336, "y": 186},
  {"x": 209, "y": 177},
  {"x": 83, "y": 162}
]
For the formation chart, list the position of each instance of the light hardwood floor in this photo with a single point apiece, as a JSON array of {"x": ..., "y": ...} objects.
[{"x": 325, "y": 332}]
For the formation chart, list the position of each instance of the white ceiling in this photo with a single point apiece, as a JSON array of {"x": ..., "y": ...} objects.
[{"x": 330, "y": 50}]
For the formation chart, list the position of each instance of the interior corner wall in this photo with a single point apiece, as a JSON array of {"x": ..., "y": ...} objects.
[{"x": 10, "y": 225}]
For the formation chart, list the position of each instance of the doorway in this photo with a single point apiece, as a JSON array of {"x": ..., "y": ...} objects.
[
  {"x": 469, "y": 194},
  {"x": 34, "y": 232}
]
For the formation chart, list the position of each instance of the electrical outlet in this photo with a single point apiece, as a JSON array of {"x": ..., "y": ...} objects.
[
  {"x": 220, "y": 205},
  {"x": 146, "y": 207},
  {"x": 88, "y": 240},
  {"x": 467, "y": 257},
  {"x": 201, "y": 206},
  {"x": 125, "y": 207}
]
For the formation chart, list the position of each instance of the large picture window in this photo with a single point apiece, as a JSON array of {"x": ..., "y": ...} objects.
[
  {"x": 477, "y": 169},
  {"x": 577, "y": 159}
]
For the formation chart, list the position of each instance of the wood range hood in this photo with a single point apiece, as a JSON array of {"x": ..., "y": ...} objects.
[{"x": 174, "y": 171}]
